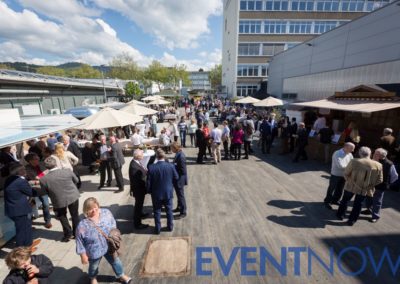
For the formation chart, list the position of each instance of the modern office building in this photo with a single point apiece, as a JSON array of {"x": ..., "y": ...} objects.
[
  {"x": 199, "y": 80},
  {"x": 365, "y": 51},
  {"x": 256, "y": 30}
]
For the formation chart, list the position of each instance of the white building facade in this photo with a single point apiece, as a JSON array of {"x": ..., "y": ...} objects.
[
  {"x": 365, "y": 51},
  {"x": 256, "y": 30}
]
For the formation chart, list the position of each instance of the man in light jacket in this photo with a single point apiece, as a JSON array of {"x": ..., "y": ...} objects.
[{"x": 361, "y": 175}]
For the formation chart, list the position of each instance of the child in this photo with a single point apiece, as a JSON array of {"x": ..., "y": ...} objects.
[{"x": 27, "y": 268}]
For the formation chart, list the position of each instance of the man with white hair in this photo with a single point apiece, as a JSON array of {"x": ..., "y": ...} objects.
[
  {"x": 361, "y": 176},
  {"x": 340, "y": 159},
  {"x": 137, "y": 178},
  {"x": 374, "y": 203}
]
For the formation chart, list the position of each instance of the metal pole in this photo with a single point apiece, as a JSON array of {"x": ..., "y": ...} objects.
[{"x": 104, "y": 87}]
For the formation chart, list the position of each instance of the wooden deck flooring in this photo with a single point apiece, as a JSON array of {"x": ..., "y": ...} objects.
[{"x": 266, "y": 201}]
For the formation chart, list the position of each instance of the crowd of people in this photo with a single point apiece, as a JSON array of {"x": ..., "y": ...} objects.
[{"x": 49, "y": 175}]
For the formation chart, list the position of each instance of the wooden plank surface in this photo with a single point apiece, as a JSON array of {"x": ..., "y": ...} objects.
[{"x": 266, "y": 201}]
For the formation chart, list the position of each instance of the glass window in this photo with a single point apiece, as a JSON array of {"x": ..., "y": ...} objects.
[
  {"x": 328, "y": 5},
  {"x": 324, "y": 26},
  {"x": 263, "y": 70},
  {"x": 277, "y": 5},
  {"x": 251, "y": 5},
  {"x": 249, "y": 49},
  {"x": 246, "y": 90},
  {"x": 352, "y": 5},
  {"x": 246, "y": 27},
  {"x": 300, "y": 27},
  {"x": 274, "y": 27},
  {"x": 270, "y": 49},
  {"x": 302, "y": 5},
  {"x": 375, "y": 4}
]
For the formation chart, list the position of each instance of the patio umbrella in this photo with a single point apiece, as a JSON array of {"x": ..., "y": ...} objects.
[
  {"x": 109, "y": 117},
  {"x": 159, "y": 102},
  {"x": 247, "y": 100},
  {"x": 151, "y": 98},
  {"x": 135, "y": 102},
  {"x": 269, "y": 102},
  {"x": 138, "y": 110}
]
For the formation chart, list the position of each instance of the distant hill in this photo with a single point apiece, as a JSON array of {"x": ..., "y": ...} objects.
[{"x": 26, "y": 67}]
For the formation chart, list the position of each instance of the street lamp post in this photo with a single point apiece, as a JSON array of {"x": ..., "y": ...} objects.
[{"x": 104, "y": 87}]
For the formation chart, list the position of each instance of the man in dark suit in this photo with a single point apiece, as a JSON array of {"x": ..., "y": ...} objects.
[
  {"x": 137, "y": 178},
  {"x": 60, "y": 185},
  {"x": 104, "y": 155},
  {"x": 302, "y": 142},
  {"x": 6, "y": 159},
  {"x": 266, "y": 136},
  {"x": 117, "y": 160},
  {"x": 74, "y": 149},
  {"x": 201, "y": 143},
  {"x": 17, "y": 208},
  {"x": 293, "y": 131},
  {"x": 160, "y": 182},
  {"x": 180, "y": 166}
]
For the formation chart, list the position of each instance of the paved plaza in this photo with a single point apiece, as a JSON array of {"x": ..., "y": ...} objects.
[{"x": 266, "y": 201}]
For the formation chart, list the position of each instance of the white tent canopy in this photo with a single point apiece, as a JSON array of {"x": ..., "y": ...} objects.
[
  {"x": 138, "y": 110},
  {"x": 133, "y": 102},
  {"x": 269, "y": 102},
  {"x": 151, "y": 98},
  {"x": 107, "y": 118},
  {"x": 159, "y": 102},
  {"x": 247, "y": 100}
]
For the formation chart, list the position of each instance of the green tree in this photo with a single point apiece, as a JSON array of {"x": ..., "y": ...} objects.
[
  {"x": 6, "y": 67},
  {"x": 132, "y": 90},
  {"x": 124, "y": 67},
  {"x": 176, "y": 73},
  {"x": 215, "y": 76},
  {"x": 85, "y": 71},
  {"x": 157, "y": 73},
  {"x": 51, "y": 70}
]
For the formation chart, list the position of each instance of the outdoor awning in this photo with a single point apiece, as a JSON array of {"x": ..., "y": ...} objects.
[
  {"x": 351, "y": 105},
  {"x": 17, "y": 131}
]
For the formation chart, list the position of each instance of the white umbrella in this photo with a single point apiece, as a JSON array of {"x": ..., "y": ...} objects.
[
  {"x": 159, "y": 102},
  {"x": 109, "y": 117},
  {"x": 247, "y": 100},
  {"x": 151, "y": 98},
  {"x": 138, "y": 110},
  {"x": 269, "y": 102},
  {"x": 135, "y": 102}
]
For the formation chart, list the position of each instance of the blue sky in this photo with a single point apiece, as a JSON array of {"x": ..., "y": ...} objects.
[{"x": 94, "y": 31}]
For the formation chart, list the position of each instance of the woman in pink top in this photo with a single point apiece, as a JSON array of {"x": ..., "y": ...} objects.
[{"x": 237, "y": 140}]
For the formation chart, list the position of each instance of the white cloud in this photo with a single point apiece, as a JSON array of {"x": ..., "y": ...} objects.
[
  {"x": 78, "y": 38},
  {"x": 60, "y": 9},
  {"x": 206, "y": 63},
  {"x": 174, "y": 23},
  {"x": 107, "y": 28},
  {"x": 75, "y": 31}
]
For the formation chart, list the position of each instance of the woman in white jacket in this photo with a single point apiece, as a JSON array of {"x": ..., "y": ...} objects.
[{"x": 65, "y": 159}]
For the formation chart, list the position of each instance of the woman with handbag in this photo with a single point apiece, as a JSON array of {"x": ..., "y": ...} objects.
[{"x": 92, "y": 242}]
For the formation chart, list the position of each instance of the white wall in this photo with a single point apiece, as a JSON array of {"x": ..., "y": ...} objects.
[
  {"x": 230, "y": 45},
  {"x": 364, "y": 51}
]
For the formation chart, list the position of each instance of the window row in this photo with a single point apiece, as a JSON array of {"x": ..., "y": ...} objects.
[
  {"x": 244, "y": 70},
  {"x": 286, "y": 27},
  {"x": 262, "y": 49},
  {"x": 311, "y": 5},
  {"x": 246, "y": 90}
]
